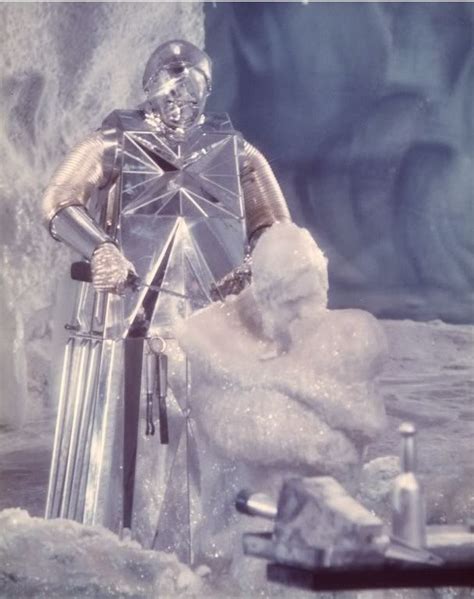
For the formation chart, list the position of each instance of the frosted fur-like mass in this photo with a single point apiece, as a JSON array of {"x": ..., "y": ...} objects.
[
  {"x": 280, "y": 380},
  {"x": 282, "y": 385},
  {"x": 284, "y": 254}
]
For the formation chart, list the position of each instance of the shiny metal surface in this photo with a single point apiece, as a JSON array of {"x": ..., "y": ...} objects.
[
  {"x": 80, "y": 472},
  {"x": 256, "y": 504},
  {"x": 76, "y": 405},
  {"x": 177, "y": 81},
  {"x": 71, "y": 380},
  {"x": 54, "y": 489},
  {"x": 407, "y": 431},
  {"x": 85, "y": 482},
  {"x": 110, "y": 269},
  {"x": 408, "y": 511},
  {"x": 182, "y": 225},
  {"x": 180, "y": 222},
  {"x": 264, "y": 200},
  {"x": 77, "y": 176},
  {"x": 74, "y": 226},
  {"x": 104, "y": 491},
  {"x": 176, "y": 53},
  {"x": 191, "y": 193},
  {"x": 150, "y": 373},
  {"x": 234, "y": 282},
  {"x": 178, "y": 100},
  {"x": 169, "y": 187}
]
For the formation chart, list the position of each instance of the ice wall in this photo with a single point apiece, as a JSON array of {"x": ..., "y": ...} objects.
[
  {"x": 366, "y": 112},
  {"x": 64, "y": 67}
]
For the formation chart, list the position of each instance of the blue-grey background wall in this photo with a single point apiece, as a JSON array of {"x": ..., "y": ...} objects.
[{"x": 366, "y": 112}]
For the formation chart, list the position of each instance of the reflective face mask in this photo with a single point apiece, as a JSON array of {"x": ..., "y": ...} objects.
[{"x": 178, "y": 94}]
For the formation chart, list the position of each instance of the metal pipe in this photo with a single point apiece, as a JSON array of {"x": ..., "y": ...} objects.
[
  {"x": 256, "y": 504},
  {"x": 408, "y": 514}
]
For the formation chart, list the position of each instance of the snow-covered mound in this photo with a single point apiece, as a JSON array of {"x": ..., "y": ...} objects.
[
  {"x": 281, "y": 385},
  {"x": 279, "y": 379},
  {"x": 61, "y": 558}
]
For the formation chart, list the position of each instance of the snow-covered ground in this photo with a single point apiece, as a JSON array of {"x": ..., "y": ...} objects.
[
  {"x": 428, "y": 379},
  {"x": 60, "y": 558}
]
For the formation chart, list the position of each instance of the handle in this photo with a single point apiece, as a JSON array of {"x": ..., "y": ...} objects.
[
  {"x": 81, "y": 271},
  {"x": 161, "y": 391}
]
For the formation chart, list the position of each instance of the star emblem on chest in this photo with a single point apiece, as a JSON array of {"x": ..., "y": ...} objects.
[{"x": 193, "y": 178}]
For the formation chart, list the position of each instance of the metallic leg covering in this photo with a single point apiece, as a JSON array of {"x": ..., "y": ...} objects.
[
  {"x": 85, "y": 480},
  {"x": 177, "y": 213}
]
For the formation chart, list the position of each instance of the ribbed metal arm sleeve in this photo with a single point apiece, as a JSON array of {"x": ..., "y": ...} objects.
[
  {"x": 264, "y": 200},
  {"x": 76, "y": 177}
]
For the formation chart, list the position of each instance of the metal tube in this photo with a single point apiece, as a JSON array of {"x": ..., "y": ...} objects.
[
  {"x": 74, "y": 226},
  {"x": 408, "y": 458},
  {"x": 408, "y": 513},
  {"x": 256, "y": 504},
  {"x": 53, "y": 492},
  {"x": 264, "y": 200},
  {"x": 161, "y": 389}
]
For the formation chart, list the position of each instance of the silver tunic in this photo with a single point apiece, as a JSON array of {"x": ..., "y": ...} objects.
[{"x": 175, "y": 205}]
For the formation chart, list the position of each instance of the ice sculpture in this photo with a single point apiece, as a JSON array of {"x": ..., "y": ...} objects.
[
  {"x": 163, "y": 202},
  {"x": 282, "y": 384}
]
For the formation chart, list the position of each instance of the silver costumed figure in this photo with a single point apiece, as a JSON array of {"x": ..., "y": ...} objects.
[{"x": 164, "y": 204}]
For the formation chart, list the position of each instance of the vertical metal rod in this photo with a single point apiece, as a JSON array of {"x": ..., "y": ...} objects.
[
  {"x": 76, "y": 506},
  {"x": 67, "y": 426},
  {"x": 80, "y": 318},
  {"x": 76, "y": 397},
  {"x": 51, "y": 500},
  {"x": 99, "y": 311},
  {"x": 150, "y": 387},
  {"x": 133, "y": 360},
  {"x": 84, "y": 474},
  {"x": 162, "y": 390},
  {"x": 98, "y": 432},
  {"x": 408, "y": 458}
]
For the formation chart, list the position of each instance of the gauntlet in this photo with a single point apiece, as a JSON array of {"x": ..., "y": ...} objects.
[{"x": 110, "y": 268}]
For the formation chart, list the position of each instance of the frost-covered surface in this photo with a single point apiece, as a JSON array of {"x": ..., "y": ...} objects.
[
  {"x": 279, "y": 380},
  {"x": 64, "y": 67},
  {"x": 60, "y": 558},
  {"x": 281, "y": 384},
  {"x": 427, "y": 379}
]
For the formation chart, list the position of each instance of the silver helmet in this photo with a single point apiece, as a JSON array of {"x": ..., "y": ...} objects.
[{"x": 177, "y": 81}]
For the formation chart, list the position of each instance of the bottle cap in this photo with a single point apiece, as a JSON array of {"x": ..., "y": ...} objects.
[{"x": 406, "y": 429}]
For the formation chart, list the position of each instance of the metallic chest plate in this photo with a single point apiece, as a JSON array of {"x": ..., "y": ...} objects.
[{"x": 181, "y": 217}]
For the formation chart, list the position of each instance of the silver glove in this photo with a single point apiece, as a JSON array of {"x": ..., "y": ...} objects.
[
  {"x": 110, "y": 269},
  {"x": 234, "y": 282}
]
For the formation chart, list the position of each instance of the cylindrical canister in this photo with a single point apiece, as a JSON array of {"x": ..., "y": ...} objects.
[{"x": 408, "y": 511}]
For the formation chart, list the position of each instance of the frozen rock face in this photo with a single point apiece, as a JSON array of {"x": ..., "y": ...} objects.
[
  {"x": 60, "y": 558},
  {"x": 12, "y": 367},
  {"x": 64, "y": 67},
  {"x": 281, "y": 383},
  {"x": 366, "y": 114}
]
